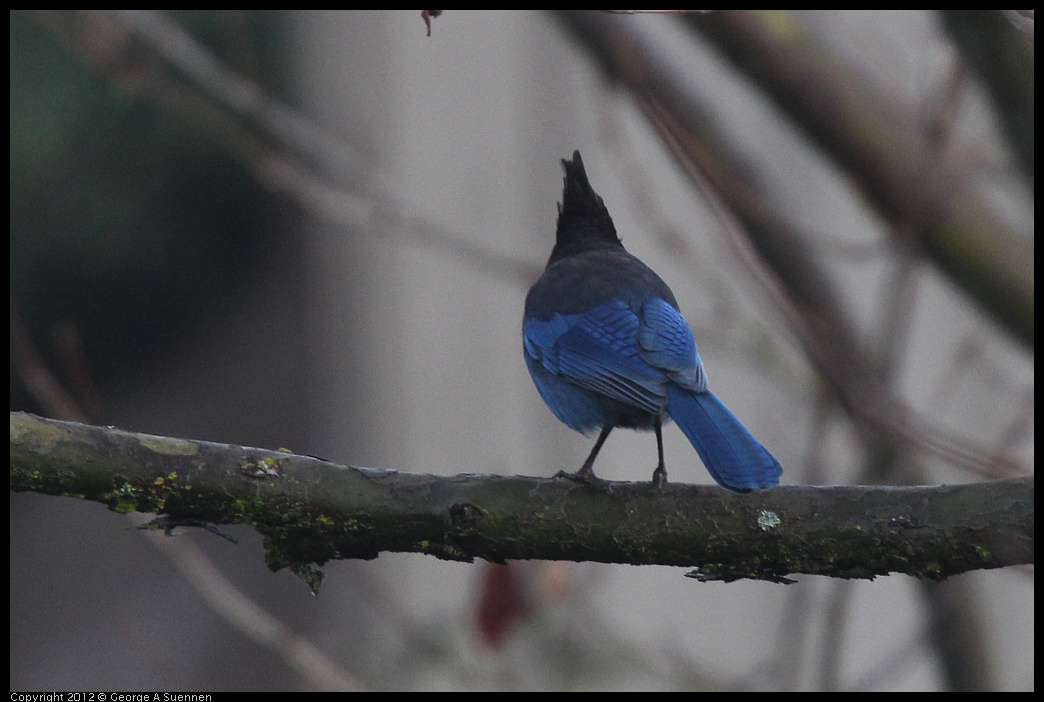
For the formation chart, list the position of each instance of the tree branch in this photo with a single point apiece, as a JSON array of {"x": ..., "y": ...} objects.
[
  {"x": 311, "y": 511},
  {"x": 883, "y": 150}
]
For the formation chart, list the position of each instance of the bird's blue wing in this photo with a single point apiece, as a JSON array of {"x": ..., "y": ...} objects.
[
  {"x": 667, "y": 342},
  {"x": 599, "y": 350}
]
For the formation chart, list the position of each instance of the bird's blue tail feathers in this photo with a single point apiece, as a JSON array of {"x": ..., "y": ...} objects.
[{"x": 735, "y": 459}]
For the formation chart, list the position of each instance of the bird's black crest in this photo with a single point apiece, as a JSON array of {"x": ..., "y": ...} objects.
[{"x": 582, "y": 216}]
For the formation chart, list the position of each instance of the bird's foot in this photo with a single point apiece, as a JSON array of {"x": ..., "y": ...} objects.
[
  {"x": 584, "y": 475},
  {"x": 659, "y": 478}
]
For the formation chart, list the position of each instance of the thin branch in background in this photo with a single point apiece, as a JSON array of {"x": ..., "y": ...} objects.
[
  {"x": 71, "y": 358},
  {"x": 938, "y": 116},
  {"x": 1022, "y": 423},
  {"x": 832, "y": 643},
  {"x": 968, "y": 362},
  {"x": 1022, "y": 20},
  {"x": 251, "y": 620},
  {"x": 895, "y": 311},
  {"x": 677, "y": 245},
  {"x": 824, "y": 414},
  {"x": 335, "y": 206},
  {"x": 842, "y": 251},
  {"x": 288, "y": 156},
  {"x": 901, "y": 659},
  {"x": 955, "y": 628},
  {"x": 237, "y": 43},
  {"x": 325, "y": 192},
  {"x": 793, "y": 636},
  {"x": 289, "y": 128},
  {"x": 939, "y": 119},
  {"x": 887, "y": 156},
  {"x": 730, "y": 320},
  {"x": 29, "y": 367},
  {"x": 990, "y": 45}
]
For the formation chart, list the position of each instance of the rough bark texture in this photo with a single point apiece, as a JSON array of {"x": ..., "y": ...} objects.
[{"x": 311, "y": 511}]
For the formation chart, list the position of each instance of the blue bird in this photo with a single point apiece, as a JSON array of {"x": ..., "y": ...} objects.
[{"x": 607, "y": 347}]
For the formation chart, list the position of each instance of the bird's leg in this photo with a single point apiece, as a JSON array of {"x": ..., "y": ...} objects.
[
  {"x": 660, "y": 474},
  {"x": 586, "y": 472}
]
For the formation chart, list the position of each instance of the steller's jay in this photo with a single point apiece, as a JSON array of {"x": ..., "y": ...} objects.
[{"x": 607, "y": 347}]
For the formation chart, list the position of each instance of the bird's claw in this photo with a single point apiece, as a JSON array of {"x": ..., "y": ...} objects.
[
  {"x": 659, "y": 478},
  {"x": 585, "y": 475}
]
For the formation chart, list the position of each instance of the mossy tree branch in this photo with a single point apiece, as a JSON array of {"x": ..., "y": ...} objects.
[{"x": 312, "y": 511}]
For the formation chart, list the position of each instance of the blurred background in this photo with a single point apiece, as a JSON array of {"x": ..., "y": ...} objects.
[{"x": 316, "y": 230}]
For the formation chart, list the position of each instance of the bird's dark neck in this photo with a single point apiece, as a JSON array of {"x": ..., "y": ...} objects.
[{"x": 575, "y": 245}]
